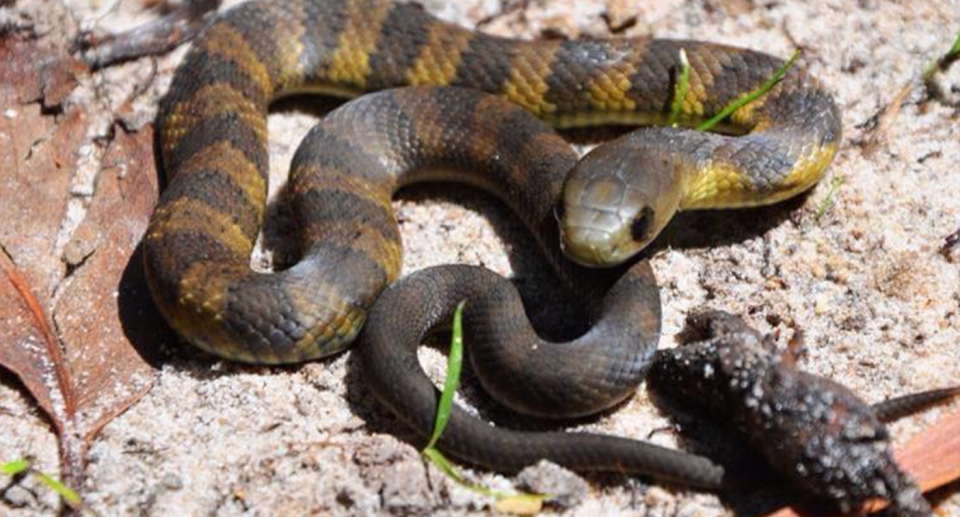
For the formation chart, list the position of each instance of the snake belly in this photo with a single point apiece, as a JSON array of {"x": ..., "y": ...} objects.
[{"x": 212, "y": 127}]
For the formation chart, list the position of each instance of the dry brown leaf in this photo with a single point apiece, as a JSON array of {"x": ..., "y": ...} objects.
[
  {"x": 35, "y": 166},
  {"x": 27, "y": 342},
  {"x": 931, "y": 457},
  {"x": 34, "y": 187},
  {"x": 83, "y": 371},
  {"x": 88, "y": 314}
]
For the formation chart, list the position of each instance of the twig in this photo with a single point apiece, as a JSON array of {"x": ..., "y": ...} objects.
[
  {"x": 156, "y": 37},
  {"x": 888, "y": 115},
  {"x": 950, "y": 243}
]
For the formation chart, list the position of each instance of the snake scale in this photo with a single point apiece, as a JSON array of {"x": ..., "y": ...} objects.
[{"x": 213, "y": 141}]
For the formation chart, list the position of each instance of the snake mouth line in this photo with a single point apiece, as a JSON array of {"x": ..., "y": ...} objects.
[{"x": 586, "y": 252}]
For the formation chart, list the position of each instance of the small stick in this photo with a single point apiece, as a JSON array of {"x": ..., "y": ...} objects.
[
  {"x": 905, "y": 405},
  {"x": 950, "y": 242},
  {"x": 888, "y": 115},
  {"x": 157, "y": 37}
]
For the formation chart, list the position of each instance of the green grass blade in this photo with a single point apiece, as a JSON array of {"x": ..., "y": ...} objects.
[
  {"x": 14, "y": 467},
  {"x": 830, "y": 197},
  {"x": 521, "y": 504},
  {"x": 67, "y": 493},
  {"x": 751, "y": 96},
  {"x": 444, "y": 465},
  {"x": 952, "y": 55},
  {"x": 512, "y": 503},
  {"x": 454, "y": 366},
  {"x": 680, "y": 91}
]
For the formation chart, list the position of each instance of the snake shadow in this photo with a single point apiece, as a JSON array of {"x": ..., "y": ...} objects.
[
  {"x": 140, "y": 320},
  {"x": 703, "y": 229}
]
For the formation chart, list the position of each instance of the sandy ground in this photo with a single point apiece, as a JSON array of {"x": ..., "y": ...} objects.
[{"x": 866, "y": 282}]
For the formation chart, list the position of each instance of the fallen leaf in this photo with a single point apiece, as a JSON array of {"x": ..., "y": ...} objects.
[
  {"x": 80, "y": 366},
  {"x": 34, "y": 183},
  {"x": 932, "y": 457},
  {"x": 35, "y": 193},
  {"x": 20, "y": 69},
  {"x": 88, "y": 313},
  {"x": 29, "y": 348},
  {"x": 58, "y": 78}
]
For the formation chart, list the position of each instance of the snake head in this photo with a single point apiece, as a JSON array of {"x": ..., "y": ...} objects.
[{"x": 616, "y": 200}]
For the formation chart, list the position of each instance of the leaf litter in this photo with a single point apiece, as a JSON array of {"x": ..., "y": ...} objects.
[{"x": 62, "y": 333}]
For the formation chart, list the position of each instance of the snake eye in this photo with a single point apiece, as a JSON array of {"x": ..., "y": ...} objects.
[{"x": 641, "y": 224}]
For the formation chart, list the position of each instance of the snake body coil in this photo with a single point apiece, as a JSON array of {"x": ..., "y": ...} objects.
[{"x": 213, "y": 141}]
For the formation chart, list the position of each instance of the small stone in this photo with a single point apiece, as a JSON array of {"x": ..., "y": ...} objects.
[
  {"x": 378, "y": 452},
  {"x": 172, "y": 481},
  {"x": 10, "y": 114},
  {"x": 405, "y": 488},
  {"x": 19, "y": 497},
  {"x": 566, "y": 488},
  {"x": 818, "y": 271},
  {"x": 822, "y": 304},
  {"x": 620, "y": 15}
]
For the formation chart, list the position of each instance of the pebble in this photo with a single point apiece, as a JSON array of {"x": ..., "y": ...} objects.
[
  {"x": 19, "y": 497},
  {"x": 405, "y": 488},
  {"x": 822, "y": 304},
  {"x": 566, "y": 488},
  {"x": 172, "y": 481}
]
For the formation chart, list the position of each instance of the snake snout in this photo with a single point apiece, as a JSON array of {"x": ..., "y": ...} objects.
[
  {"x": 587, "y": 247},
  {"x": 596, "y": 234}
]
